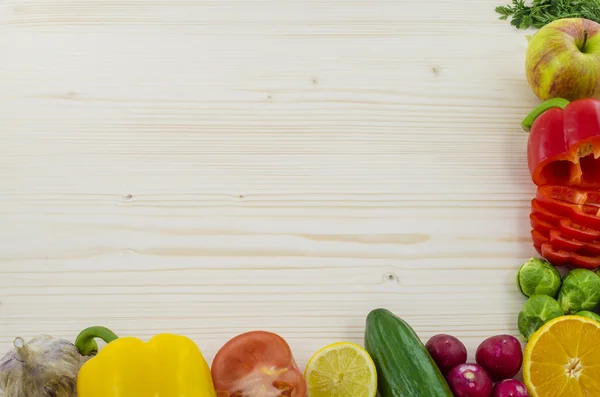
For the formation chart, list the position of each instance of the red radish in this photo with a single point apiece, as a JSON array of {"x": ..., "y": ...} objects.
[
  {"x": 447, "y": 352},
  {"x": 501, "y": 356},
  {"x": 469, "y": 380},
  {"x": 510, "y": 388}
]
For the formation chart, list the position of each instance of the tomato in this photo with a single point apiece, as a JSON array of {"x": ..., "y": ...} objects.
[{"x": 257, "y": 364}]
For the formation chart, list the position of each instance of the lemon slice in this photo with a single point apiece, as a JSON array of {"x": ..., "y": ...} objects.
[{"x": 341, "y": 369}]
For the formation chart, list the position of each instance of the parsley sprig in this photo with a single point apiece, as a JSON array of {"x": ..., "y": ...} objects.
[{"x": 542, "y": 12}]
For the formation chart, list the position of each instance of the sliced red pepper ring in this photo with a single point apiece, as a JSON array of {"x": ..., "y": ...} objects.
[
  {"x": 579, "y": 206},
  {"x": 561, "y": 242},
  {"x": 557, "y": 258},
  {"x": 564, "y": 143},
  {"x": 562, "y": 257},
  {"x": 544, "y": 214},
  {"x": 567, "y": 227},
  {"x": 540, "y": 225},
  {"x": 559, "y": 251},
  {"x": 573, "y": 230},
  {"x": 538, "y": 239}
]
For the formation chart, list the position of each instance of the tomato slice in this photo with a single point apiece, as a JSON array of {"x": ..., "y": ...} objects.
[{"x": 257, "y": 364}]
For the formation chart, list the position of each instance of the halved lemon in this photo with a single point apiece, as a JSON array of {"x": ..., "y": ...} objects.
[
  {"x": 341, "y": 369},
  {"x": 562, "y": 359}
]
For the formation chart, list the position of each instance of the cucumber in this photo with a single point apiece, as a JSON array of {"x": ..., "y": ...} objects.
[{"x": 404, "y": 366}]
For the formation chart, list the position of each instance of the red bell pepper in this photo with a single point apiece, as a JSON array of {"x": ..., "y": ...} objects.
[
  {"x": 564, "y": 143},
  {"x": 580, "y": 206},
  {"x": 545, "y": 221},
  {"x": 562, "y": 155},
  {"x": 559, "y": 257},
  {"x": 562, "y": 241}
]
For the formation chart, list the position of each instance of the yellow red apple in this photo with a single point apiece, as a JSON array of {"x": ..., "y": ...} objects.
[{"x": 563, "y": 60}]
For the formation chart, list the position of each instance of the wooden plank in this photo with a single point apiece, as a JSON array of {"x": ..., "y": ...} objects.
[{"x": 212, "y": 167}]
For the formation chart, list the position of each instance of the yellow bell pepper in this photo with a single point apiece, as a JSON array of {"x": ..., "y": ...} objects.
[{"x": 166, "y": 366}]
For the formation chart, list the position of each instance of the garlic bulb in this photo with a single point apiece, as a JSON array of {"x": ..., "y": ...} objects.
[{"x": 43, "y": 367}]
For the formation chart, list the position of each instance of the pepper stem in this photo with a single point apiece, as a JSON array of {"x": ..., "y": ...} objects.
[
  {"x": 86, "y": 343},
  {"x": 537, "y": 112}
]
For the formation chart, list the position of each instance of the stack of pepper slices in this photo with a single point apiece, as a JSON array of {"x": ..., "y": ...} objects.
[{"x": 562, "y": 155}]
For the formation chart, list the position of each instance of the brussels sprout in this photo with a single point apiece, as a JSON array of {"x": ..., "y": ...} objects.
[
  {"x": 588, "y": 314},
  {"x": 537, "y": 311},
  {"x": 580, "y": 291},
  {"x": 538, "y": 277}
]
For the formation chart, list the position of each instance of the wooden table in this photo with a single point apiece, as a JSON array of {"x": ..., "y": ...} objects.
[{"x": 213, "y": 167}]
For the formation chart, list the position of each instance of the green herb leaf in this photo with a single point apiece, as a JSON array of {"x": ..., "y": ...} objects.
[{"x": 542, "y": 12}]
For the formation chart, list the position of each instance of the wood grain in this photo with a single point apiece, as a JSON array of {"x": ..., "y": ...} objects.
[{"x": 211, "y": 167}]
